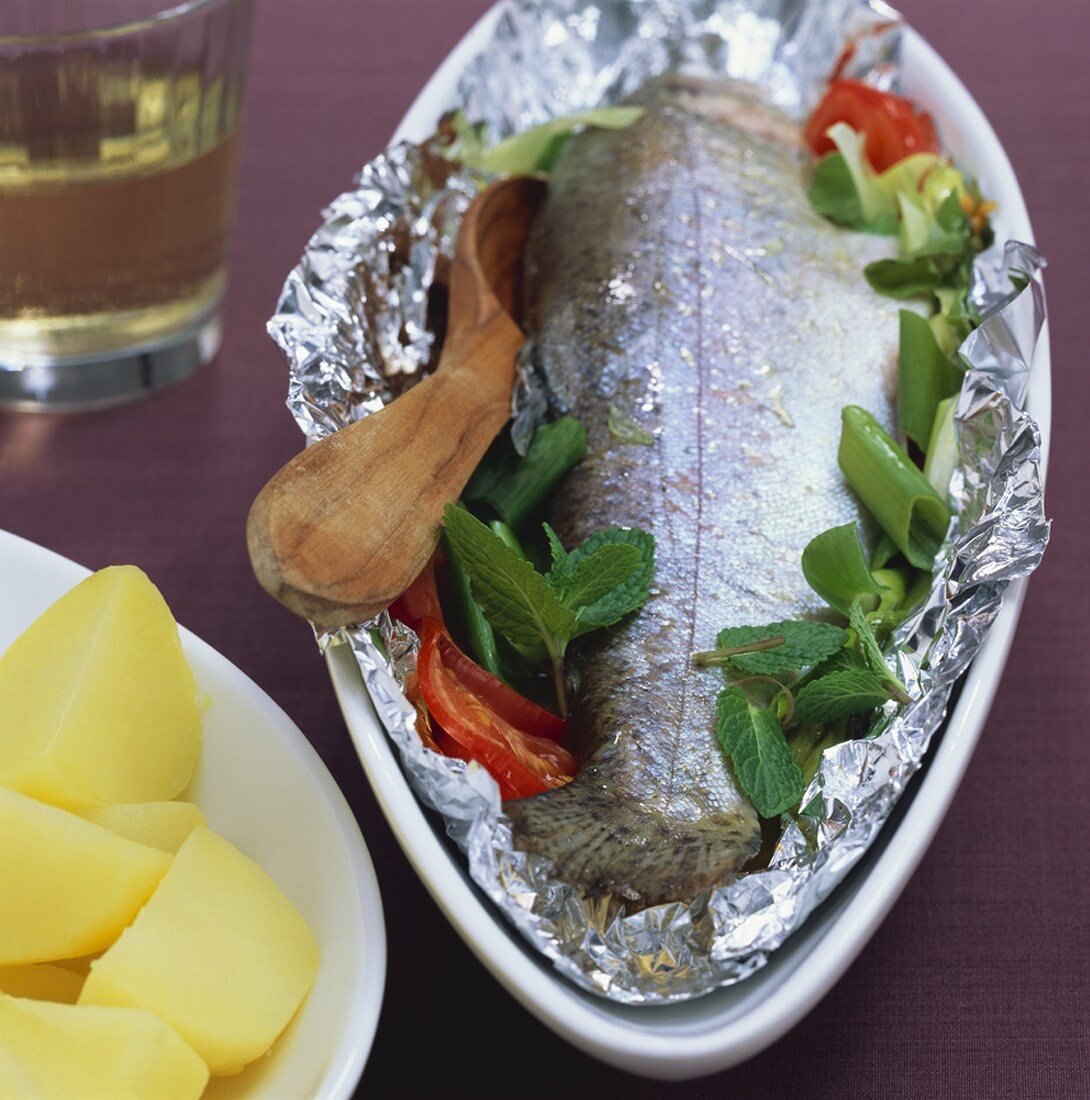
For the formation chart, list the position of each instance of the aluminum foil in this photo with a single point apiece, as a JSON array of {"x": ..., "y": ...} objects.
[{"x": 359, "y": 320}]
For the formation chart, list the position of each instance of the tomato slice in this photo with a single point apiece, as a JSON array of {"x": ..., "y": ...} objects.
[
  {"x": 420, "y": 600},
  {"x": 893, "y": 127},
  {"x": 470, "y": 714},
  {"x": 449, "y": 747},
  {"x": 521, "y": 763},
  {"x": 522, "y": 713},
  {"x": 424, "y": 729}
]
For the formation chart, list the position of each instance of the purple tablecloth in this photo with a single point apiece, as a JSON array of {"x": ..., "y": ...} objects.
[{"x": 977, "y": 983}]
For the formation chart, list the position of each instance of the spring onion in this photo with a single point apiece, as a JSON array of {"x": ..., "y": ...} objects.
[
  {"x": 942, "y": 449},
  {"x": 516, "y": 487},
  {"x": 893, "y": 490},
  {"x": 928, "y": 376}
]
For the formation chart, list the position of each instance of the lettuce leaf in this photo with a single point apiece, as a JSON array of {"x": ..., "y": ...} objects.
[
  {"x": 918, "y": 199},
  {"x": 533, "y": 151}
]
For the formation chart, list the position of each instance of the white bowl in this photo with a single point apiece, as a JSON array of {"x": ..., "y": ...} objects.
[
  {"x": 732, "y": 1024},
  {"x": 263, "y": 787}
]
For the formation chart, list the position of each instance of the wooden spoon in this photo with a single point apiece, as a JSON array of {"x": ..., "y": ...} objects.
[{"x": 345, "y": 527}]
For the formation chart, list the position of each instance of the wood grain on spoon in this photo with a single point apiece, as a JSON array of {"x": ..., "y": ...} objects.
[{"x": 344, "y": 528}]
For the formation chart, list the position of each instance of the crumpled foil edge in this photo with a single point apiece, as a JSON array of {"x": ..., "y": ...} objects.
[{"x": 354, "y": 322}]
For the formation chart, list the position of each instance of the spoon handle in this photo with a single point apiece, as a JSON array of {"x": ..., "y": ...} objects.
[{"x": 345, "y": 527}]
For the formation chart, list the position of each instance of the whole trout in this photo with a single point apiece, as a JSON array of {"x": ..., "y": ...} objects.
[{"x": 678, "y": 278}]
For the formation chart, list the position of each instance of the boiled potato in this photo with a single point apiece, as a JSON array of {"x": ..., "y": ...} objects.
[
  {"x": 70, "y": 1052},
  {"x": 97, "y": 702},
  {"x": 218, "y": 952},
  {"x": 67, "y": 887},
  {"x": 80, "y": 965},
  {"x": 41, "y": 982},
  {"x": 162, "y": 825}
]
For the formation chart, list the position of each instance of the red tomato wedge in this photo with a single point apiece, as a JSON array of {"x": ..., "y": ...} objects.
[
  {"x": 423, "y": 719},
  {"x": 894, "y": 128},
  {"x": 522, "y": 713},
  {"x": 520, "y": 762},
  {"x": 449, "y": 747},
  {"x": 420, "y": 600}
]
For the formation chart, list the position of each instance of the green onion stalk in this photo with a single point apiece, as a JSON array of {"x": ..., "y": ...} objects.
[
  {"x": 516, "y": 488},
  {"x": 893, "y": 489}
]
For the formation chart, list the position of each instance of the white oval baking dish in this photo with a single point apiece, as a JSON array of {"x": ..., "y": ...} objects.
[{"x": 731, "y": 1024}]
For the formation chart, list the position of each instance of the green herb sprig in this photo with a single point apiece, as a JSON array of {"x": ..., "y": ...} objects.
[
  {"x": 793, "y": 676},
  {"x": 774, "y": 649},
  {"x": 796, "y": 688},
  {"x": 593, "y": 586},
  {"x": 763, "y": 762}
]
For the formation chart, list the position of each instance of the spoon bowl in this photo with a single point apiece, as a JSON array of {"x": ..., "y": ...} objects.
[{"x": 345, "y": 527}]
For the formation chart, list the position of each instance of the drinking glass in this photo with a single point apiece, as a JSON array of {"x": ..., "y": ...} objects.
[{"x": 119, "y": 134}]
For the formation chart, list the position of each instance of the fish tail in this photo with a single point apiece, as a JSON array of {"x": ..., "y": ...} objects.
[{"x": 628, "y": 849}]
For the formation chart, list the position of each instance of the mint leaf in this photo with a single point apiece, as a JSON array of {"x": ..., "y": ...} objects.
[
  {"x": 632, "y": 593},
  {"x": 597, "y": 576},
  {"x": 835, "y": 568},
  {"x": 842, "y": 659},
  {"x": 804, "y": 644},
  {"x": 515, "y": 598},
  {"x": 871, "y": 653},
  {"x": 560, "y": 571},
  {"x": 605, "y": 578},
  {"x": 759, "y": 754},
  {"x": 839, "y": 695},
  {"x": 869, "y": 649},
  {"x": 628, "y": 536}
]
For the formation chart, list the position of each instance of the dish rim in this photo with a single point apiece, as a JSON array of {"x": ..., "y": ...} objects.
[
  {"x": 347, "y": 1061},
  {"x": 609, "y": 1031}
]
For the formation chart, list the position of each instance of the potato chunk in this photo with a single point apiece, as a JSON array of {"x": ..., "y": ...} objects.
[
  {"x": 67, "y": 887},
  {"x": 98, "y": 703},
  {"x": 218, "y": 952},
  {"x": 71, "y": 1052},
  {"x": 41, "y": 982},
  {"x": 162, "y": 825}
]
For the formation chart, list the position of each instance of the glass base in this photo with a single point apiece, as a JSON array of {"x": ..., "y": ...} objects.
[{"x": 77, "y": 383}]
